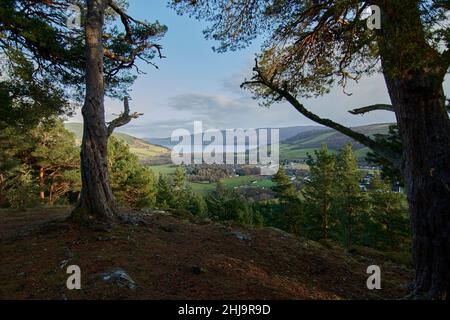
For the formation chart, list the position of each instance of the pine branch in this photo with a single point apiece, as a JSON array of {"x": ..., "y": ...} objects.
[
  {"x": 385, "y": 107},
  {"x": 124, "y": 118},
  {"x": 390, "y": 155}
]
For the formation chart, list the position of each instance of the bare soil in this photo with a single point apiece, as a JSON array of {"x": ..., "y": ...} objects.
[{"x": 174, "y": 258}]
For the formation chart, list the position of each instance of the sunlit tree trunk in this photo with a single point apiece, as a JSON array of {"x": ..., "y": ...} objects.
[{"x": 96, "y": 201}]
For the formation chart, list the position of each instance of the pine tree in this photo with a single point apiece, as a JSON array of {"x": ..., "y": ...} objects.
[
  {"x": 179, "y": 181},
  {"x": 350, "y": 202},
  {"x": 284, "y": 187},
  {"x": 45, "y": 155},
  {"x": 54, "y": 154},
  {"x": 182, "y": 193},
  {"x": 133, "y": 185},
  {"x": 319, "y": 193},
  {"x": 164, "y": 195},
  {"x": 13, "y": 143},
  {"x": 289, "y": 210},
  {"x": 311, "y": 46},
  {"x": 225, "y": 204},
  {"x": 388, "y": 220},
  {"x": 197, "y": 205}
]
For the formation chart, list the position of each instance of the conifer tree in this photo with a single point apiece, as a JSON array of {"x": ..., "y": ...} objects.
[
  {"x": 284, "y": 187},
  {"x": 320, "y": 193},
  {"x": 164, "y": 195},
  {"x": 44, "y": 156},
  {"x": 350, "y": 202},
  {"x": 133, "y": 185},
  {"x": 388, "y": 225},
  {"x": 312, "y": 46},
  {"x": 197, "y": 205},
  {"x": 54, "y": 153},
  {"x": 179, "y": 181},
  {"x": 289, "y": 210},
  {"x": 182, "y": 193},
  {"x": 225, "y": 204}
]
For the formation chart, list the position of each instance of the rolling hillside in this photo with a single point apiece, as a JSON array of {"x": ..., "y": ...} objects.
[
  {"x": 298, "y": 146},
  {"x": 285, "y": 133},
  {"x": 147, "y": 153},
  {"x": 296, "y": 142}
]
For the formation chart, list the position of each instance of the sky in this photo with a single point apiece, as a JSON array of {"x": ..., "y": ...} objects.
[{"x": 193, "y": 83}]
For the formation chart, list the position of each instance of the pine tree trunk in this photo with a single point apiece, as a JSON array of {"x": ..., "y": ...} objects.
[
  {"x": 414, "y": 72},
  {"x": 325, "y": 221},
  {"x": 96, "y": 202},
  {"x": 41, "y": 184},
  {"x": 425, "y": 129}
]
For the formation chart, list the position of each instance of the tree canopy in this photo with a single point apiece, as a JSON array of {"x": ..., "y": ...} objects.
[{"x": 37, "y": 33}]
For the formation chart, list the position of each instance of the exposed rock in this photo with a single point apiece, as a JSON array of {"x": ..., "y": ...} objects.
[
  {"x": 150, "y": 212},
  {"x": 63, "y": 264},
  {"x": 120, "y": 277},
  {"x": 241, "y": 236},
  {"x": 281, "y": 232}
]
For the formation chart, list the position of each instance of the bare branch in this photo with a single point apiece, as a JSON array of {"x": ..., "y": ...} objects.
[
  {"x": 374, "y": 107},
  {"x": 390, "y": 155},
  {"x": 124, "y": 118}
]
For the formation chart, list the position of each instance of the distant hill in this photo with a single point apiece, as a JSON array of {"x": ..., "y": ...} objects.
[
  {"x": 147, "y": 152},
  {"x": 306, "y": 142},
  {"x": 297, "y": 142},
  {"x": 285, "y": 133}
]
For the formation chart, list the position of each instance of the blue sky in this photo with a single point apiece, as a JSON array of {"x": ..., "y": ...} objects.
[{"x": 195, "y": 83}]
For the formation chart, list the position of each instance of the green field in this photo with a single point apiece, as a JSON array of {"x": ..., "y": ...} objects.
[
  {"x": 202, "y": 187},
  {"x": 165, "y": 169},
  {"x": 292, "y": 152},
  {"x": 232, "y": 182}
]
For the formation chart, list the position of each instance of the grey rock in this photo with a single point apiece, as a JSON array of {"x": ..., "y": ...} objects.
[
  {"x": 281, "y": 232},
  {"x": 241, "y": 236},
  {"x": 120, "y": 277}
]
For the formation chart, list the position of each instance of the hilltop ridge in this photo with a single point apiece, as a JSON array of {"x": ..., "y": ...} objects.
[{"x": 171, "y": 256}]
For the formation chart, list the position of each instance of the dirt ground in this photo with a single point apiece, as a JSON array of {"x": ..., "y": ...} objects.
[{"x": 171, "y": 258}]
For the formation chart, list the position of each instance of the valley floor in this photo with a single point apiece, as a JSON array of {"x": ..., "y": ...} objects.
[{"x": 173, "y": 258}]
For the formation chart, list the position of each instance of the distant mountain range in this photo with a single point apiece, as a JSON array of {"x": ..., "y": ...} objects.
[
  {"x": 146, "y": 152},
  {"x": 285, "y": 133},
  {"x": 295, "y": 142}
]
